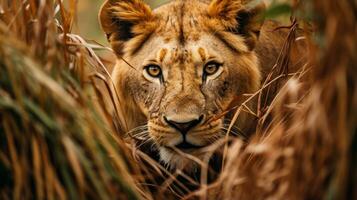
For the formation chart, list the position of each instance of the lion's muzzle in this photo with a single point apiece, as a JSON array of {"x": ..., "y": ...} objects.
[{"x": 183, "y": 127}]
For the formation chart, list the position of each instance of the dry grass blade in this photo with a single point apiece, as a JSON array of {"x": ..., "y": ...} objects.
[{"x": 55, "y": 137}]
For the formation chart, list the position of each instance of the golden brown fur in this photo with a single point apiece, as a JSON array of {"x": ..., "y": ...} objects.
[{"x": 181, "y": 38}]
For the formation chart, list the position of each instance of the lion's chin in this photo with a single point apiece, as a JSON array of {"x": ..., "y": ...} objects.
[{"x": 183, "y": 160}]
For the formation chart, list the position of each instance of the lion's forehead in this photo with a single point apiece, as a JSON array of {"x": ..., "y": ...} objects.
[
  {"x": 182, "y": 20},
  {"x": 182, "y": 54},
  {"x": 187, "y": 33}
]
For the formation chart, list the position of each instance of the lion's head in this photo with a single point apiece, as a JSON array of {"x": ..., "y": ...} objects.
[{"x": 185, "y": 63}]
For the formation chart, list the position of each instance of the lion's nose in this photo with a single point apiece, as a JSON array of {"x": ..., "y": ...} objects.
[{"x": 184, "y": 127}]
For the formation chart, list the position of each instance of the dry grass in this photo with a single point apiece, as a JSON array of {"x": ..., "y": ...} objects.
[
  {"x": 58, "y": 139},
  {"x": 55, "y": 142}
]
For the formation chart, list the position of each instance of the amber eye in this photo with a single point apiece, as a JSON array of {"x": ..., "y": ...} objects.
[
  {"x": 211, "y": 68},
  {"x": 153, "y": 70}
]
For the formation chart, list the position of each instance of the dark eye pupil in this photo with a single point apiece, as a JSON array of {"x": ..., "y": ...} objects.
[
  {"x": 153, "y": 70},
  {"x": 211, "y": 68}
]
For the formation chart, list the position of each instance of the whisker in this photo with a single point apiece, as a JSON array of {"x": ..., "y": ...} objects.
[
  {"x": 138, "y": 131},
  {"x": 234, "y": 130},
  {"x": 142, "y": 137},
  {"x": 141, "y": 133},
  {"x": 143, "y": 127},
  {"x": 145, "y": 142},
  {"x": 226, "y": 125},
  {"x": 231, "y": 131},
  {"x": 244, "y": 137},
  {"x": 153, "y": 146}
]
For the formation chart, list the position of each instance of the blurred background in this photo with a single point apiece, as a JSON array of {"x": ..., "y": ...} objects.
[{"x": 87, "y": 22}]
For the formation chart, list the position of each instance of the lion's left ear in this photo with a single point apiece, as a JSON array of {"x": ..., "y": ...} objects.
[
  {"x": 239, "y": 18},
  {"x": 123, "y": 20}
]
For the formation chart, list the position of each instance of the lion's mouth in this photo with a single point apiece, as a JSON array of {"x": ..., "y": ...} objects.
[{"x": 186, "y": 146}]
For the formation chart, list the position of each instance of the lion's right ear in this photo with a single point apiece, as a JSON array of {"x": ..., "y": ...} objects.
[
  {"x": 243, "y": 17},
  {"x": 122, "y": 20}
]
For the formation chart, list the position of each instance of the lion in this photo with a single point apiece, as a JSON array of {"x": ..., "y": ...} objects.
[{"x": 185, "y": 63}]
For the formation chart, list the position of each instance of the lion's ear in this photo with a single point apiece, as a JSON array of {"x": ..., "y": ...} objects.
[
  {"x": 238, "y": 17},
  {"x": 122, "y": 20}
]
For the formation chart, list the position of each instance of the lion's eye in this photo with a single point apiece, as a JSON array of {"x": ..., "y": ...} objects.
[
  {"x": 211, "y": 68},
  {"x": 153, "y": 70}
]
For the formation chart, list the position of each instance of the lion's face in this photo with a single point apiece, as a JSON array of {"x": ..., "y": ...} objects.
[{"x": 186, "y": 68}]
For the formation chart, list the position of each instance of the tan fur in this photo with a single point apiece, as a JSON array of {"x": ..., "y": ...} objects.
[{"x": 181, "y": 37}]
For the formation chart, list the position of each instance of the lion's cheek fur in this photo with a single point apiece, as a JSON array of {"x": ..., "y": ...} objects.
[
  {"x": 125, "y": 88},
  {"x": 145, "y": 95}
]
